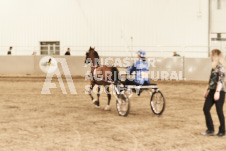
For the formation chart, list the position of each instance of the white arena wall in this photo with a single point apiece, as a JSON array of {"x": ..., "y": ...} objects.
[
  {"x": 187, "y": 68},
  {"x": 111, "y": 25}
]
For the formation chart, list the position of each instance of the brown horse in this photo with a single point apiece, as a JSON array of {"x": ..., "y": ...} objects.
[{"x": 100, "y": 75}]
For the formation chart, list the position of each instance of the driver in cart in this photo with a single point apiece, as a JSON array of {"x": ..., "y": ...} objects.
[{"x": 141, "y": 69}]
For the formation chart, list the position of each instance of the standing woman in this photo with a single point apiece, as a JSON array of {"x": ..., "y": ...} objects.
[{"x": 215, "y": 93}]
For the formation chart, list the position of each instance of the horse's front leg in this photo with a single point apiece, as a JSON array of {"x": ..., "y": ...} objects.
[
  {"x": 90, "y": 91},
  {"x": 97, "y": 103},
  {"x": 109, "y": 97}
]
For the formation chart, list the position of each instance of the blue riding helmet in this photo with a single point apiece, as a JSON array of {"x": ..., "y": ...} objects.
[{"x": 141, "y": 53}]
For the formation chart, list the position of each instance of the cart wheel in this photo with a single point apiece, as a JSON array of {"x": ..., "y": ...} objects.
[
  {"x": 157, "y": 102},
  {"x": 122, "y": 105}
]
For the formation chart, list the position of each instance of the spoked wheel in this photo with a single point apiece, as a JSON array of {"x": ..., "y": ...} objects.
[
  {"x": 157, "y": 102},
  {"x": 122, "y": 105}
]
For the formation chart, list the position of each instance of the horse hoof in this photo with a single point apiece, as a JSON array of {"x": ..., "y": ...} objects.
[
  {"x": 107, "y": 108},
  {"x": 97, "y": 106},
  {"x": 94, "y": 101}
]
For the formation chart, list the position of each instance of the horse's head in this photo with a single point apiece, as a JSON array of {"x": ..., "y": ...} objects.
[
  {"x": 88, "y": 59},
  {"x": 91, "y": 56}
]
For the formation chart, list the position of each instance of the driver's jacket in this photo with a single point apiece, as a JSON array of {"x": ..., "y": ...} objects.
[{"x": 141, "y": 68}]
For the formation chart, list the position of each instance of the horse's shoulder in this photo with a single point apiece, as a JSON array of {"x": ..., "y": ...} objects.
[
  {"x": 99, "y": 67},
  {"x": 104, "y": 68}
]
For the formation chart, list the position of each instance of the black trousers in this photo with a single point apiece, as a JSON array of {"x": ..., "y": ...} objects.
[
  {"x": 219, "y": 107},
  {"x": 132, "y": 82}
]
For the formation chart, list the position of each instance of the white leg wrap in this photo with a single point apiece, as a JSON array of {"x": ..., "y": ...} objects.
[
  {"x": 107, "y": 108},
  {"x": 97, "y": 106},
  {"x": 94, "y": 100}
]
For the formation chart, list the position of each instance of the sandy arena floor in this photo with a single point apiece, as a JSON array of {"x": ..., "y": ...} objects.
[{"x": 31, "y": 121}]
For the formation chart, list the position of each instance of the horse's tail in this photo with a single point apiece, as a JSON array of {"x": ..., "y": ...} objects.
[{"x": 116, "y": 75}]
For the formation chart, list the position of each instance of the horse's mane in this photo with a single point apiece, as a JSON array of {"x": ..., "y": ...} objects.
[{"x": 96, "y": 55}]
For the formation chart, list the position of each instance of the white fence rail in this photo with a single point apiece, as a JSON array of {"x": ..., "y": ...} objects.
[
  {"x": 184, "y": 68},
  {"x": 129, "y": 51}
]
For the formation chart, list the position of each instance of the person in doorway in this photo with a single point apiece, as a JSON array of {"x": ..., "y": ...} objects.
[
  {"x": 10, "y": 50},
  {"x": 34, "y": 53},
  {"x": 68, "y": 52},
  {"x": 175, "y": 54},
  {"x": 215, "y": 93}
]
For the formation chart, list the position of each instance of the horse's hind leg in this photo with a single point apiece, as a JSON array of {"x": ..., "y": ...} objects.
[{"x": 109, "y": 98}]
